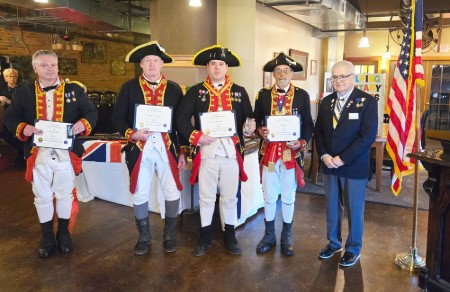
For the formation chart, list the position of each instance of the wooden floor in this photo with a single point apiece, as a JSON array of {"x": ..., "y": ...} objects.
[{"x": 104, "y": 236}]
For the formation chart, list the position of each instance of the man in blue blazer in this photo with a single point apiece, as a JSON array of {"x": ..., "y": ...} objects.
[{"x": 346, "y": 127}]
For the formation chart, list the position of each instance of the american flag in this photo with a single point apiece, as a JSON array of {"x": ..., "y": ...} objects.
[{"x": 402, "y": 97}]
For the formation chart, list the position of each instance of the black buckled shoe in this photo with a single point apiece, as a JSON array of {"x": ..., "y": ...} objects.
[
  {"x": 286, "y": 240},
  {"x": 328, "y": 252},
  {"x": 169, "y": 239},
  {"x": 269, "y": 239},
  {"x": 143, "y": 243},
  {"x": 204, "y": 242},
  {"x": 348, "y": 260},
  {"x": 47, "y": 245},
  {"x": 230, "y": 241},
  {"x": 63, "y": 238}
]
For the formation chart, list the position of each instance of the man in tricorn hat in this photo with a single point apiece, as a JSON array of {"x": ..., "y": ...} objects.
[
  {"x": 218, "y": 161},
  {"x": 148, "y": 151},
  {"x": 280, "y": 170}
]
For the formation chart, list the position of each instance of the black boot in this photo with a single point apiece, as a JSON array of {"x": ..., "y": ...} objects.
[
  {"x": 169, "y": 240},
  {"x": 231, "y": 243},
  {"x": 269, "y": 239},
  {"x": 204, "y": 242},
  {"x": 63, "y": 238},
  {"x": 47, "y": 245},
  {"x": 286, "y": 240},
  {"x": 143, "y": 242}
]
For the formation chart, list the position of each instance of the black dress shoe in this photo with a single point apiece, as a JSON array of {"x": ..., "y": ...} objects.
[
  {"x": 201, "y": 249},
  {"x": 349, "y": 259},
  {"x": 328, "y": 252}
]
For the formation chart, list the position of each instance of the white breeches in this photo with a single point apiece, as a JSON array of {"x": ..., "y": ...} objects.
[
  {"x": 280, "y": 181},
  {"x": 152, "y": 161},
  {"x": 52, "y": 176},
  {"x": 219, "y": 172}
]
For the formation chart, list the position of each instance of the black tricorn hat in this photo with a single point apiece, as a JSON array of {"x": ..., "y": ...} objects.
[
  {"x": 216, "y": 52},
  {"x": 150, "y": 48},
  {"x": 282, "y": 59}
]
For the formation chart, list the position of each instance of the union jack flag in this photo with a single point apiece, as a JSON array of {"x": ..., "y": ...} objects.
[
  {"x": 402, "y": 97},
  {"x": 102, "y": 151}
]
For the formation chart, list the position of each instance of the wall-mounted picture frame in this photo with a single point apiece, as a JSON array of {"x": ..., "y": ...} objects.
[
  {"x": 117, "y": 67},
  {"x": 313, "y": 70},
  {"x": 267, "y": 79},
  {"x": 93, "y": 53},
  {"x": 67, "y": 66},
  {"x": 302, "y": 58}
]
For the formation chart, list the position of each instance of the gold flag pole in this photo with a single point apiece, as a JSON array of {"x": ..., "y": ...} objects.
[{"x": 412, "y": 261}]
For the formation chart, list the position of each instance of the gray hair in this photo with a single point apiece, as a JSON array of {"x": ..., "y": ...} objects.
[
  {"x": 42, "y": 53},
  {"x": 346, "y": 64}
]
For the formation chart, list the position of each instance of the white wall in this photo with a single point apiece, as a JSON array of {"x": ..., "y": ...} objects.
[{"x": 277, "y": 32}]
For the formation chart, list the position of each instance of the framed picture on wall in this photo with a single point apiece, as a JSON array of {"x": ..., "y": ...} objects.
[
  {"x": 67, "y": 66},
  {"x": 302, "y": 58},
  {"x": 313, "y": 70},
  {"x": 93, "y": 53},
  {"x": 117, "y": 67},
  {"x": 267, "y": 79}
]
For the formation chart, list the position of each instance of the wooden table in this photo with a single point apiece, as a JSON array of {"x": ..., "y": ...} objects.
[{"x": 379, "y": 156}]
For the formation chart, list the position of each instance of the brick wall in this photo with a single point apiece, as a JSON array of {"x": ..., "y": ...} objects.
[{"x": 96, "y": 77}]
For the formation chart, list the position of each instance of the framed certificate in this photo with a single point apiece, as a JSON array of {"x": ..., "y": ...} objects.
[
  {"x": 218, "y": 124},
  {"x": 54, "y": 135},
  {"x": 155, "y": 118},
  {"x": 283, "y": 128}
]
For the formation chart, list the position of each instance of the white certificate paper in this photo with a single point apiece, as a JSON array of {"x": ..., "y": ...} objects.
[
  {"x": 283, "y": 128},
  {"x": 218, "y": 124},
  {"x": 155, "y": 118},
  {"x": 54, "y": 135}
]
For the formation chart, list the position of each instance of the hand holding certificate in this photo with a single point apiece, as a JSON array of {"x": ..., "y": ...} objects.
[
  {"x": 218, "y": 124},
  {"x": 53, "y": 135},
  {"x": 154, "y": 118},
  {"x": 283, "y": 128}
]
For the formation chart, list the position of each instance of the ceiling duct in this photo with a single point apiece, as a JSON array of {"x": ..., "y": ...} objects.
[
  {"x": 100, "y": 16},
  {"x": 323, "y": 14}
]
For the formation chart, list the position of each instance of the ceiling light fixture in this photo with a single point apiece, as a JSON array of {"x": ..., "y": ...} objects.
[
  {"x": 195, "y": 3},
  {"x": 41, "y": 1},
  {"x": 364, "y": 42},
  {"x": 387, "y": 54}
]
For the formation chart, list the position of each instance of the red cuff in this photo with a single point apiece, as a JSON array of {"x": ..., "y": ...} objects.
[
  {"x": 87, "y": 126},
  {"x": 195, "y": 136},
  {"x": 19, "y": 132},
  {"x": 129, "y": 133}
]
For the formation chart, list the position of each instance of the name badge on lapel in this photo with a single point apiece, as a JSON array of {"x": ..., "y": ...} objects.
[{"x": 353, "y": 116}]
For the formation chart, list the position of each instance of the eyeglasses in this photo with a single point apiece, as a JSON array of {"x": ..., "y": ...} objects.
[
  {"x": 285, "y": 71},
  {"x": 11, "y": 76},
  {"x": 340, "y": 77}
]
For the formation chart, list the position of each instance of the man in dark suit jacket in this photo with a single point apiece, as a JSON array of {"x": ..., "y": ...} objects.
[
  {"x": 148, "y": 151},
  {"x": 346, "y": 127}
]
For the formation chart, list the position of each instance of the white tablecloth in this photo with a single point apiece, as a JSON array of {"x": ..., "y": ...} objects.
[{"x": 110, "y": 181}]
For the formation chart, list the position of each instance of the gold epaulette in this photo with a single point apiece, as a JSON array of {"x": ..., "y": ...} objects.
[{"x": 78, "y": 83}]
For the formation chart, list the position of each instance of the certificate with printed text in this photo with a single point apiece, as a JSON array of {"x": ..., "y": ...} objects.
[
  {"x": 283, "y": 128},
  {"x": 218, "y": 124},
  {"x": 155, "y": 118},
  {"x": 54, "y": 135}
]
